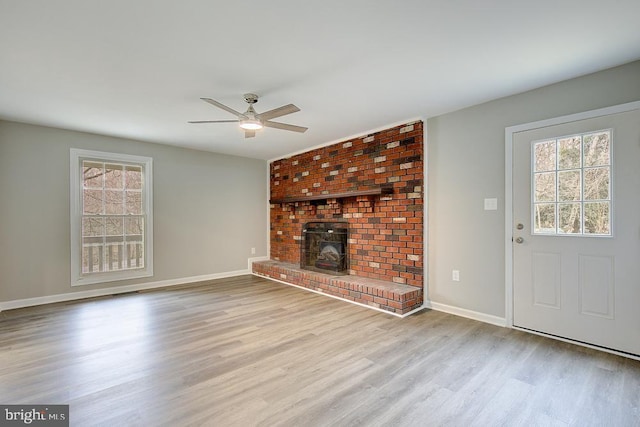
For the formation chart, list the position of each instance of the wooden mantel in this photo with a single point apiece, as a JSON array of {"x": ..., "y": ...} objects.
[{"x": 374, "y": 191}]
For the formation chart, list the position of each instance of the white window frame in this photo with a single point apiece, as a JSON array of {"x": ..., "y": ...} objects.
[
  {"x": 582, "y": 202},
  {"x": 76, "y": 185}
]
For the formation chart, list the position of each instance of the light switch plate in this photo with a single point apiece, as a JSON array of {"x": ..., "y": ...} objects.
[{"x": 490, "y": 204}]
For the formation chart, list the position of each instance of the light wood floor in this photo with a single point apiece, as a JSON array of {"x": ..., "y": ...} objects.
[{"x": 247, "y": 351}]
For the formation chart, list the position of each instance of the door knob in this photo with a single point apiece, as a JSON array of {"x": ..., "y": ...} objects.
[{"x": 519, "y": 240}]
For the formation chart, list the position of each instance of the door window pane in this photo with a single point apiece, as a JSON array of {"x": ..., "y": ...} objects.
[
  {"x": 569, "y": 218},
  {"x": 569, "y": 185},
  {"x": 569, "y": 153},
  {"x": 545, "y": 156},
  {"x": 545, "y": 218},
  {"x": 596, "y": 218},
  {"x": 596, "y": 149},
  {"x": 596, "y": 184},
  {"x": 545, "y": 187}
]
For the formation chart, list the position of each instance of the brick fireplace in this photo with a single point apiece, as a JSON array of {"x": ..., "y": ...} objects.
[{"x": 374, "y": 186}]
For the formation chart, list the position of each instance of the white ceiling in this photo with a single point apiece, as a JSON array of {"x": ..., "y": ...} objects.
[{"x": 137, "y": 68}]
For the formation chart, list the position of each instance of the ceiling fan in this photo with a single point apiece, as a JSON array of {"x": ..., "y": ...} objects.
[{"x": 251, "y": 121}]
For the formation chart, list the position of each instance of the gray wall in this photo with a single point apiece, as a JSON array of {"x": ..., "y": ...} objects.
[
  {"x": 209, "y": 210},
  {"x": 465, "y": 155}
]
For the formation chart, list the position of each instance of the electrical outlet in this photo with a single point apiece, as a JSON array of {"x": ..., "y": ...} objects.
[
  {"x": 455, "y": 275},
  {"x": 253, "y": 251}
]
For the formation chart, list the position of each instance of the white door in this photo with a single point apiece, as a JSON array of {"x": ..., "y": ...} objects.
[{"x": 576, "y": 231}]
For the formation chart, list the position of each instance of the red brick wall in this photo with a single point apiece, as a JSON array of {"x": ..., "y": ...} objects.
[{"x": 385, "y": 232}]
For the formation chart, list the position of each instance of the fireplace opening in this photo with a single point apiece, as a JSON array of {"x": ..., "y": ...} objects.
[
  {"x": 324, "y": 248},
  {"x": 330, "y": 256}
]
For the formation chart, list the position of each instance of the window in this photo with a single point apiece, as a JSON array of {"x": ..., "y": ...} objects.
[
  {"x": 572, "y": 185},
  {"x": 111, "y": 217}
]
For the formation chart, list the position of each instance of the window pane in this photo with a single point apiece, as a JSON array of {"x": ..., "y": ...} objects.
[
  {"x": 569, "y": 152},
  {"x": 114, "y": 257},
  {"x": 91, "y": 258},
  {"x": 596, "y": 218},
  {"x": 115, "y": 226},
  {"x": 545, "y": 218},
  {"x": 92, "y": 227},
  {"x": 92, "y": 201},
  {"x": 569, "y": 218},
  {"x": 134, "y": 202},
  {"x": 597, "y": 149},
  {"x": 92, "y": 174},
  {"x": 545, "y": 187},
  {"x": 135, "y": 255},
  {"x": 596, "y": 184},
  {"x": 113, "y": 202},
  {"x": 544, "y": 156},
  {"x": 134, "y": 227},
  {"x": 133, "y": 177},
  {"x": 113, "y": 177},
  {"x": 569, "y": 185}
]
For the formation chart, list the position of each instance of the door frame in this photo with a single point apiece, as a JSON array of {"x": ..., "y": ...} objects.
[{"x": 508, "y": 243}]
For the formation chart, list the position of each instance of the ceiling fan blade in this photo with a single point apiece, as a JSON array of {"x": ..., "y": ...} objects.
[
  {"x": 278, "y": 112},
  {"x": 284, "y": 126},
  {"x": 213, "y": 121},
  {"x": 222, "y": 106},
  {"x": 249, "y": 133}
]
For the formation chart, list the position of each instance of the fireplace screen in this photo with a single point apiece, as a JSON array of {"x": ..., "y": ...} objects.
[{"x": 324, "y": 247}]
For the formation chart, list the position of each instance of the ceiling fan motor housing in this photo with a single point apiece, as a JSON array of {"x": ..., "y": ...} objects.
[{"x": 251, "y": 98}]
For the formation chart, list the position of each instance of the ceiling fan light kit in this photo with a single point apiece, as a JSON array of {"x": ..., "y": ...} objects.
[
  {"x": 251, "y": 124},
  {"x": 250, "y": 121}
]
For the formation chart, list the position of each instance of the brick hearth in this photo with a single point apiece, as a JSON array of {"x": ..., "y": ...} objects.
[{"x": 387, "y": 296}]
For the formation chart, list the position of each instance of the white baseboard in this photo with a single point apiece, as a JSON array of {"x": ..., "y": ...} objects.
[
  {"x": 29, "y": 302},
  {"x": 469, "y": 314}
]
